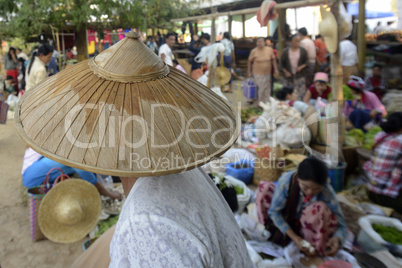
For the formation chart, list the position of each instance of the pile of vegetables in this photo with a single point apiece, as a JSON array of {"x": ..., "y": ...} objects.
[
  {"x": 103, "y": 226},
  {"x": 356, "y": 137},
  {"x": 248, "y": 113},
  {"x": 369, "y": 137},
  {"x": 389, "y": 234},
  {"x": 347, "y": 94},
  {"x": 263, "y": 151}
]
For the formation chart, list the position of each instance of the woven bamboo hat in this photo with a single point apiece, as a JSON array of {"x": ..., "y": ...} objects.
[
  {"x": 126, "y": 113},
  {"x": 329, "y": 29},
  {"x": 69, "y": 211}
]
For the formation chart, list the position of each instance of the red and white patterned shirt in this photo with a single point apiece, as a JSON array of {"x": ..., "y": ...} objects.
[{"x": 385, "y": 167}]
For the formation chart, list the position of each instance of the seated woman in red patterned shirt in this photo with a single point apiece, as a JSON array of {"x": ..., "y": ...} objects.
[
  {"x": 319, "y": 88},
  {"x": 385, "y": 167}
]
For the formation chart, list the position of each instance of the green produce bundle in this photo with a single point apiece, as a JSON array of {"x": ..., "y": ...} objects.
[{"x": 389, "y": 234}]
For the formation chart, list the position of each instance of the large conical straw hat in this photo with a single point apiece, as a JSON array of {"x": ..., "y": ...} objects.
[{"x": 126, "y": 113}]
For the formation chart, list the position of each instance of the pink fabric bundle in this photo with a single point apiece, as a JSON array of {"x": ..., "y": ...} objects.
[
  {"x": 318, "y": 224},
  {"x": 265, "y": 193}
]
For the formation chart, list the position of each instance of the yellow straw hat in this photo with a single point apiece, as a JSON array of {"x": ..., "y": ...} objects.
[
  {"x": 329, "y": 29},
  {"x": 69, "y": 211},
  {"x": 222, "y": 76},
  {"x": 126, "y": 113}
]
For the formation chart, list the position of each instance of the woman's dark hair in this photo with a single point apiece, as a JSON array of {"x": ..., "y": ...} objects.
[
  {"x": 9, "y": 54},
  {"x": 44, "y": 49},
  {"x": 377, "y": 65},
  {"x": 226, "y": 35},
  {"x": 206, "y": 36},
  {"x": 303, "y": 31},
  {"x": 393, "y": 123},
  {"x": 312, "y": 169},
  {"x": 281, "y": 94},
  {"x": 175, "y": 61}
]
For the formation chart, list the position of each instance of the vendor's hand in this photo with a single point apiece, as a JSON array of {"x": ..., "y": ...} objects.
[
  {"x": 276, "y": 74},
  {"x": 373, "y": 113},
  {"x": 115, "y": 195},
  {"x": 234, "y": 65},
  {"x": 287, "y": 74},
  {"x": 304, "y": 249},
  {"x": 332, "y": 246},
  {"x": 249, "y": 75}
]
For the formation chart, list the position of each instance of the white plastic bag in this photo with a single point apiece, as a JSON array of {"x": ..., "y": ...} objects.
[
  {"x": 346, "y": 21},
  {"x": 12, "y": 101},
  {"x": 293, "y": 134},
  {"x": 366, "y": 225}
]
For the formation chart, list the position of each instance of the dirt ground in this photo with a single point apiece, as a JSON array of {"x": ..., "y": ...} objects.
[{"x": 16, "y": 247}]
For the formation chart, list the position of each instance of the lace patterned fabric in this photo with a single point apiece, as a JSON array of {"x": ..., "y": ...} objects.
[{"x": 178, "y": 220}]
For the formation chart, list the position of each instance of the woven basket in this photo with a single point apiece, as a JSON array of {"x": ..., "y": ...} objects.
[
  {"x": 35, "y": 196},
  {"x": 266, "y": 170}
]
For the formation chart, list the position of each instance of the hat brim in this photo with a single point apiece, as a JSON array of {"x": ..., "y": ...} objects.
[
  {"x": 329, "y": 22},
  {"x": 79, "y": 190},
  {"x": 222, "y": 76}
]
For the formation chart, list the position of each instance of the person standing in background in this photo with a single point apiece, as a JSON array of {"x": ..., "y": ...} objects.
[
  {"x": 349, "y": 59},
  {"x": 322, "y": 51},
  {"x": 21, "y": 54},
  {"x": 165, "y": 51},
  {"x": 260, "y": 64},
  {"x": 10, "y": 66},
  {"x": 36, "y": 71},
  {"x": 293, "y": 64},
  {"x": 376, "y": 83},
  {"x": 229, "y": 56},
  {"x": 309, "y": 46},
  {"x": 196, "y": 45}
]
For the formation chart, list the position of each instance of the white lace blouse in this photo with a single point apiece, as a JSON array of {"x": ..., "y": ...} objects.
[{"x": 178, "y": 220}]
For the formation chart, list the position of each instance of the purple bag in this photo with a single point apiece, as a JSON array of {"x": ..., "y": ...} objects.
[{"x": 250, "y": 89}]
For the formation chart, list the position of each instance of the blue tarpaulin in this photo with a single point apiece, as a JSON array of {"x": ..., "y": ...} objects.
[{"x": 353, "y": 9}]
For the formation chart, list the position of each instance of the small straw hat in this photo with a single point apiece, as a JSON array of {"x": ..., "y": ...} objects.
[
  {"x": 222, "y": 76},
  {"x": 69, "y": 211},
  {"x": 126, "y": 113},
  {"x": 329, "y": 29}
]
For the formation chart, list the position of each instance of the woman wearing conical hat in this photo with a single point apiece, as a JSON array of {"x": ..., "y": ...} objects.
[{"x": 126, "y": 113}]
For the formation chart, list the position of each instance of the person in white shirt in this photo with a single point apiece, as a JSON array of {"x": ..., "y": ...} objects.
[
  {"x": 349, "y": 59},
  {"x": 36, "y": 71},
  {"x": 165, "y": 51},
  {"x": 308, "y": 45},
  {"x": 21, "y": 54},
  {"x": 178, "y": 220}
]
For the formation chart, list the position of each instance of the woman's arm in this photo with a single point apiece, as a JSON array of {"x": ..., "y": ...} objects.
[
  {"x": 250, "y": 64},
  {"x": 307, "y": 96},
  {"x": 274, "y": 64}
]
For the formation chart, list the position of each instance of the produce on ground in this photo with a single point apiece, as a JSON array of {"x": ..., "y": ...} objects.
[
  {"x": 369, "y": 137},
  {"x": 389, "y": 234},
  {"x": 106, "y": 224},
  {"x": 248, "y": 113}
]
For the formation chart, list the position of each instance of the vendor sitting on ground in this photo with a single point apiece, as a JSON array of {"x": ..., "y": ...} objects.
[
  {"x": 365, "y": 107},
  {"x": 303, "y": 207},
  {"x": 376, "y": 83},
  {"x": 319, "y": 89},
  {"x": 290, "y": 96},
  {"x": 384, "y": 170},
  {"x": 9, "y": 87},
  {"x": 36, "y": 167}
]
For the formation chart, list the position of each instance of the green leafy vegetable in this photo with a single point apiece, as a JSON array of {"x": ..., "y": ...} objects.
[
  {"x": 106, "y": 224},
  {"x": 239, "y": 190},
  {"x": 389, "y": 234}
]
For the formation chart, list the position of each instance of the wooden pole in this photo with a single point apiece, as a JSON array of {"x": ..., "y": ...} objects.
[
  {"x": 230, "y": 20},
  {"x": 361, "y": 38},
  {"x": 337, "y": 81},
  {"x": 243, "y": 19},
  {"x": 213, "y": 26},
  {"x": 196, "y": 27},
  {"x": 281, "y": 31}
]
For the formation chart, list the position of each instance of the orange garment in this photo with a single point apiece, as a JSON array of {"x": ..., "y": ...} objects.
[
  {"x": 261, "y": 60},
  {"x": 321, "y": 50}
]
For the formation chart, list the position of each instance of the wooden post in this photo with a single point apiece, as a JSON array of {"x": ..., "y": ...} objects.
[
  {"x": 281, "y": 30},
  {"x": 361, "y": 39},
  {"x": 196, "y": 27},
  {"x": 82, "y": 43},
  {"x": 243, "y": 19},
  {"x": 337, "y": 81},
  {"x": 230, "y": 19}
]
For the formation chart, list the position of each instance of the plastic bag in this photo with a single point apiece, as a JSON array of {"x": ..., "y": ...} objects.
[
  {"x": 250, "y": 88},
  {"x": 346, "y": 22},
  {"x": 366, "y": 225},
  {"x": 293, "y": 134},
  {"x": 12, "y": 101}
]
